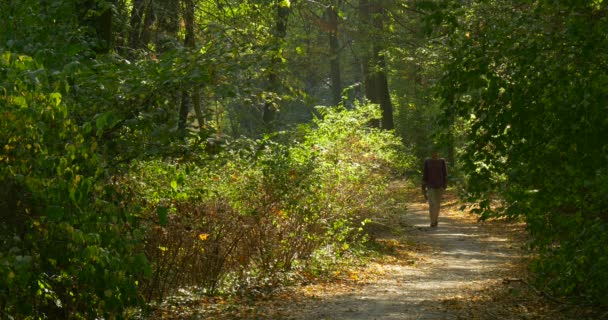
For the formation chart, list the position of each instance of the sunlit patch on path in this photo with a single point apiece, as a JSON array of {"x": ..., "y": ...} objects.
[
  {"x": 464, "y": 269},
  {"x": 455, "y": 260}
]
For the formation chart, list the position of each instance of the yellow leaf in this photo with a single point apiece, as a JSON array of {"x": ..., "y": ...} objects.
[{"x": 203, "y": 236}]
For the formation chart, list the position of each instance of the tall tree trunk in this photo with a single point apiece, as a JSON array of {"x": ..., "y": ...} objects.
[
  {"x": 334, "y": 60},
  {"x": 104, "y": 29},
  {"x": 97, "y": 17},
  {"x": 168, "y": 18},
  {"x": 189, "y": 38},
  {"x": 168, "y": 24},
  {"x": 192, "y": 99},
  {"x": 451, "y": 143},
  {"x": 383, "y": 93},
  {"x": 374, "y": 62},
  {"x": 364, "y": 27},
  {"x": 184, "y": 109},
  {"x": 137, "y": 19},
  {"x": 190, "y": 41},
  {"x": 274, "y": 83},
  {"x": 149, "y": 19}
]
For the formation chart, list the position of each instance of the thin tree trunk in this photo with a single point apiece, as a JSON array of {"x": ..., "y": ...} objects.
[
  {"x": 99, "y": 24},
  {"x": 451, "y": 138},
  {"x": 193, "y": 99},
  {"x": 364, "y": 22},
  {"x": 369, "y": 83},
  {"x": 104, "y": 30},
  {"x": 189, "y": 39},
  {"x": 334, "y": 47},
  {"x": 184, "y": 109},
  {"x": 196, "y": 104},
  {"x": 383, "y": 93},
  {"x": 168, "y": 24},
  {"x": 149, "y": 19},
  {"x": 273, "y": 78},
  {"x": 137, "y": 18},
  {"x": 374, "y": 65}
]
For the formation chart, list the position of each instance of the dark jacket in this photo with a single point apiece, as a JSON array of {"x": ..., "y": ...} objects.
[{"x": 435, "y": 174}]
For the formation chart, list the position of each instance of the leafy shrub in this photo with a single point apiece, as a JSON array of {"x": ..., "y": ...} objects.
[
  {"x": 67, "y": 249},
  {"x": 79, "y": 233},
  {"x": 525, "y": 81},
  {"x": 248, "y": 216}
]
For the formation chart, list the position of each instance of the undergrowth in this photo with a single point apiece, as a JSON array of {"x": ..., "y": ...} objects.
[{"x": 265, "y": 212}]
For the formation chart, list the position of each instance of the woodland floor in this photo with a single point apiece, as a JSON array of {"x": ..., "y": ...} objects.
[{"x": 463, "y": 269}]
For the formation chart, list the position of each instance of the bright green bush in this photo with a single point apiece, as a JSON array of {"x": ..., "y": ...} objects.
[
  {"x": 85, "y": 237},
  {"x": 260, "y": 207}
]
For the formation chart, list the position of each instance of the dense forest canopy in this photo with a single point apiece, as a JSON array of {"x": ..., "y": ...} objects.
[{"x": 138, "y": 137}]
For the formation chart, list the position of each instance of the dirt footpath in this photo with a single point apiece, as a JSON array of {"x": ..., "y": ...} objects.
[
  {"x": 449, "y": 264},
  {"x": 463, "y": 269}
]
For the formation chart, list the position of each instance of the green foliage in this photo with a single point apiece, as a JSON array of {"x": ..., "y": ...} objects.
[
  {"x": 67, "y": 250},
  {"x": 527, "y": 80},
  {"x": 419, "y": 126},
  {"x": 108, "y": 202},
  {"x": 260, "y": 207},
  {"x": 130, "y": 107}
]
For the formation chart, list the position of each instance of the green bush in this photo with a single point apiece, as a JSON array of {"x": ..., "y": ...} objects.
[
  {"x": 84, "y": 239},
  {"x": 525, "y": 80},
  {"x": 66, "y": 247},
  {"x": 249, "y": 216}
]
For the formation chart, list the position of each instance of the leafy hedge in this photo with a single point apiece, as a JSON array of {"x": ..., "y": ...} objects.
[
  {"x": 86, "y": 236},
  {"x": 66, "y": 248},
  {"x": 260, "y": 208},
  {"x": 529, "y": 81}
]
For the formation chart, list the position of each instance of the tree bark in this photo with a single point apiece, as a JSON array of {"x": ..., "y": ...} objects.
[
  {"x": 190, "y": 42},
  {"x": 149, "y": 19},
  {"x": 334, "y": 60},
  {"x": 451, "y": 143},
  {"x": 374, "y": 62},
  {"x": 98, "y": 19},
  {"x": 136, "y": 21},
  {"x": 382, "y": 91},
  {"x": 168, "y": 24},
  {"x": 184, "y": 109},
  {"x": 193, "y": 99},
  {"x": 274, "y": 83}
]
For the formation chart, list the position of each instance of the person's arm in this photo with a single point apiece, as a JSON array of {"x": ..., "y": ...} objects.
[
  {"x": 445, "y": 174},
  {"x": 425, "y": 173},
  {"x": 424, "y": 178}
]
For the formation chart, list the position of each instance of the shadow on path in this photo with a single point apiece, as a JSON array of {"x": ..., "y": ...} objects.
[{"x": 460, "y": 256}]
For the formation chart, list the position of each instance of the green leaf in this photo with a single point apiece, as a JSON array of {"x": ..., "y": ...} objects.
[
  {"x": 104, "y": 121},
  {"x": 163, "y": 215},
  {"x": 142, "y": 264},
  {"x": 56, "y": 98},
  {"x": 54, "y": 213},
  {"x": 181, "y": 179},
  {"x": 20, "y": 101},
  {"x": 5, "y": 58}
]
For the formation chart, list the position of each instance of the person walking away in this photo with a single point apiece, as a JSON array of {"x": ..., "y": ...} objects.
[{"x": 434, "y": 182}]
